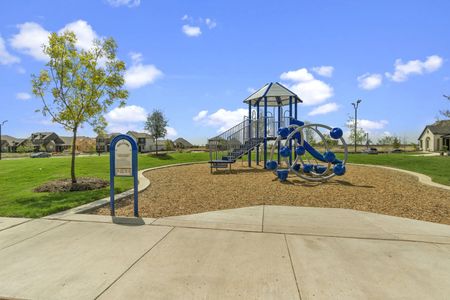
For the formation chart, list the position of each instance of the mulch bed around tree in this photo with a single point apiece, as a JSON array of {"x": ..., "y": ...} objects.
[
  {"x": 192, "y": 189},
  {"x": 65, "y": 185}
]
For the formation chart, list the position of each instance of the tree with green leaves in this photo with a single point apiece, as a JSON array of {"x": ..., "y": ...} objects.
[
  {"x": 396, "y": 143},
  {"x": 386, "y": 140},
  {"x": 360, "y": 133},
  {"x": 156, "y": 126},
  {"x": 78, "y": 86}
]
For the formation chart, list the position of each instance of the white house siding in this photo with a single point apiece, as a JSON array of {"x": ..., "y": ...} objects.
[{"x": 433, "y": 143}]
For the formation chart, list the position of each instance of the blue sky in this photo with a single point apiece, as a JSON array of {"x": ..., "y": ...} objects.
[{"x": 189, "y": 57}]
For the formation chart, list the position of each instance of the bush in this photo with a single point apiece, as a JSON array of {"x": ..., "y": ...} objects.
[{"x": 24, "y": 149}]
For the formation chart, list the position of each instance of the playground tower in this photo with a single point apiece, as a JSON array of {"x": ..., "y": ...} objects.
[{"x": 284, "y": 104}]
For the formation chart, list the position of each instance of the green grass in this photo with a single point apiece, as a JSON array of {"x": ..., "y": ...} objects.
[
  {"x": 437, "y": 167},
  {"x": 19, "y": 177}
]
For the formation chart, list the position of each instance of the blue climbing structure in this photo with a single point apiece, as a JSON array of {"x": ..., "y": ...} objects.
[{"x": 270, "y": 108}]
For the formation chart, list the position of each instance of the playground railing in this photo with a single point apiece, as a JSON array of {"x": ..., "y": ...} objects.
[{"x": 243, "y": 137}]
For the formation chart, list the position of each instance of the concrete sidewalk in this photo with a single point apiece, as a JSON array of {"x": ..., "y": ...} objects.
[{"x": 261, "y": 252}]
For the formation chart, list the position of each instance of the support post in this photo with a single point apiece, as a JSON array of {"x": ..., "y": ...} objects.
[
  {"x": 257, "y": 133},
  {"x": 249, "y": 154},
  {"x": 279, "y": 125},
  {"x": 296, "y": 117},
  {"x": 265, "y": 132},
  {"x": 290, "y": 117}
]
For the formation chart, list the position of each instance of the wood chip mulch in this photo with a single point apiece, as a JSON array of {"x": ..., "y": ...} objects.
[{"x": 192, "y": 189}]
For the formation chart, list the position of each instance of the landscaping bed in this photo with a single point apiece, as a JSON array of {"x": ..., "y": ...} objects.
[
  {"x": 66, "y": 185},
  {"x": 192, "y": 189}
]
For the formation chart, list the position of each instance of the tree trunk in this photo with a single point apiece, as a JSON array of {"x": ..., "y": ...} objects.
[
  {"x": 72, "y": 166},
  {"x": 156, "y": 143}
]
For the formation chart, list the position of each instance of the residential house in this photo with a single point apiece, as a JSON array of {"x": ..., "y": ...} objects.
[
  {"x": 9, "y": 143},
  {"x": 144, "y": 140},
  {"x": 44, "y": 141},
  {"x": 435, "y": 137},
  {"x": 103, "y": 141},
  {"x": 182, "y": 143}
]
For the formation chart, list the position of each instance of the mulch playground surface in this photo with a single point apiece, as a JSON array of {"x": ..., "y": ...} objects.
[{"x": 192, "y": 189}]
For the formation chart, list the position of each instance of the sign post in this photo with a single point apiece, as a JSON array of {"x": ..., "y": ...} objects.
[{"x": 123, "y": 163}]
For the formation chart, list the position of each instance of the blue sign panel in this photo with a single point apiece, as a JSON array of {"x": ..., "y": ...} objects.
[{"x": 123, "y": 162}]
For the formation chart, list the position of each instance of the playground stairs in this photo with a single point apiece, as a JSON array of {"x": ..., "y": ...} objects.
[{"x": 231, "y": 145}]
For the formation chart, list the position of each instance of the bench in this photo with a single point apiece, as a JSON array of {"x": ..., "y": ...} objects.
[{"x": 220, "y": 164}]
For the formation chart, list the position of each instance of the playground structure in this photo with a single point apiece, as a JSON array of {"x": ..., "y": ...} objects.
[
  {"x": 308, "y": 168},
  {"x": 278, "y": 126}
]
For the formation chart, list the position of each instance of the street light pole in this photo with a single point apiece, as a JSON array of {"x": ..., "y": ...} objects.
[
  {"x": 355, "y": 106},
  {"x": 1, "y": 124}
]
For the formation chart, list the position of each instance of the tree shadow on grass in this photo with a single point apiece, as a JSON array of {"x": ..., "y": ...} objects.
[{"x": 163, "y": 156}]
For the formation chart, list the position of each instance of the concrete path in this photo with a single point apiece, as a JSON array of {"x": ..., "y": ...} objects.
[{"x": 261, "y": 252}]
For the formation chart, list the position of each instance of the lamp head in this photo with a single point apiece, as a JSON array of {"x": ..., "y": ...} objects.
[
  {"x": 359, "y": 101},
  {"x": 3, "y": 123}
]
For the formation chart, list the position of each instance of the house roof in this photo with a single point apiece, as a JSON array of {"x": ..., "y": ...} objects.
[
  {"x": 38, "y": 138},
  {"x": 139, "y": 134},
  {"x": 10, "y": 139},
  {"x": 276, "y": 93},
  {"x": 439, "y": 127},
  {"x": 182, "y": 141}
]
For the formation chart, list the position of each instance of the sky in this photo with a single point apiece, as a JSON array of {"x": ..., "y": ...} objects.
[{"x": 198, "y": 60}]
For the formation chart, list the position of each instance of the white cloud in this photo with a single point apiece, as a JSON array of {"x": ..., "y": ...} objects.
[
  {"x": 297, "y": 75},
  {"x": 404, "y": 70},
  {"x": 200, "y": 116},
  {"x": 171, "y": 132},
  {"x": 123, "y": 119},
  {"x": 30, "y": 39},
  {"x": 6, "y": 58},
  {"x": 369, "y": 81},
  {"x": 210, "y": 23},
  {"x": 223, "y": 119},
  {"x": 84, "y": 32},
  {"x": 185, "y": 18},
  {"x": 326, "y": 71},
  {"x": 312, "y": 91},
  {"x": 369, "y": 125},
  {"x": 129, "y": 3},
  {"x": 23, "y": 96},
  {"x": 139, "y": 75},
  {"x": 191, "y": 31},
  {"x": 324, "y": 109}
]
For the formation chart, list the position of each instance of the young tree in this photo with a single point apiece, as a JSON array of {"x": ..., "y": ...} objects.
[
  {"x": 386, "y": 140},
  {"x": 446, "y": 113},
  {"x": 396, "y": 143},
  {"x": 360, "y": 133},
  {"x": 156, "y": 126},
  {"x": 78, "y": 86}
]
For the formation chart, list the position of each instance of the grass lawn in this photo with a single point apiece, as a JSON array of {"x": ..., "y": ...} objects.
[
  {"x": 437, "y": 167},
  {"x": 19, "y": 177}
]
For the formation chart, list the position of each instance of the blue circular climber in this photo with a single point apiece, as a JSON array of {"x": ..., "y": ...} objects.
[{"x": 309, "y": 163}]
